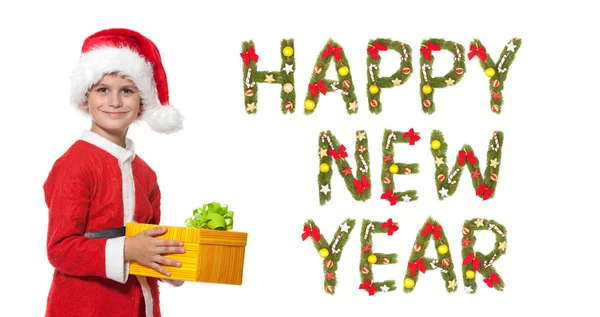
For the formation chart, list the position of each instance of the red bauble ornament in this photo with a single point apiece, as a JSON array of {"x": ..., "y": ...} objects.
[
  {"x": 407, "y": 170},
  {"x": 495, "y": 108},
  {"x": 445, "y": 262},
  {"x": 466, "y": 230},
  {"x": 495, "y": 83},
  {"x": 459, "y": 70},
  {"x": 427, "y": 103},
  {"x": 386, "y": 180},
  {"x": 374, "y": 103},
  {"x": 346, "y": 84},
  {"x": 417, "y": 248},
  {"x": 441, "y": 177},
  {"x": 249, "y": 93},
  {"x": 329, "y": 289},
  {"x": 289, "y": 105},
  {"x": 318, "y": 69},
  {"x": 364, "y": 270},
  {"x": 385, "y": 261},
  {"x": 406, "y": 70},
  {"x": 494, "y": 177},
  {"x": 329, "y": 264}
]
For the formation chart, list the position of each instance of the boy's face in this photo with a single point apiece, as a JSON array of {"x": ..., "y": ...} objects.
[{"x": 113, "y": 103}]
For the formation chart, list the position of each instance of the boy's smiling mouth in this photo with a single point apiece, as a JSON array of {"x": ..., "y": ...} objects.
[{"x": 115, "y": 114}]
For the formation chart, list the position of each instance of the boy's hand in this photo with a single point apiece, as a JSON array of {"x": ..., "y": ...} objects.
[{"x": 147, "y": 250}]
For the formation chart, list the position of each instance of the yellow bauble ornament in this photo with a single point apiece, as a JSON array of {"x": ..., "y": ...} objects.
[
  {"x": 490, "y": 72},
  {"x": 427, "y": 89},
  {"x": 343, "y": 71},
  {"x": 373, "y": 89},
  {"x": 324, "y": 253},
  {"x": 309, "y": 105},
  {"x": 435, "y": 144},
  {"x": 394, "y": 168},
  {"x": 470, "y": 274},
  {"x": 442, "y": 249},
  {"x": 324, "y": 168},
  {"x": 372, "y": 259},
  {"x": 409, "y": 282},
  {"x": 288, "y": 51}
]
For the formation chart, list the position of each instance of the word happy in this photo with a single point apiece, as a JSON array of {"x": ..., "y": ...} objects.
[{"x": 497, "y": 71}]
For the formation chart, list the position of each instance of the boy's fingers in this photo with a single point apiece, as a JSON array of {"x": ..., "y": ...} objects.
[
  {"x": 170, "y": 250},
  {"x": 166, "y": 243},
  {"x": 160, "y": 269},
  {"x": 155, "y": 231},
  {"x": 169, "y": 262}
]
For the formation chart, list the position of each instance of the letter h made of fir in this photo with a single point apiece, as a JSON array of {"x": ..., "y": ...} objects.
[{"x": 283, "y": 77}]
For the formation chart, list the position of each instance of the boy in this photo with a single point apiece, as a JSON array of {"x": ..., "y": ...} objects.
[{"x": 99, "y": 184}]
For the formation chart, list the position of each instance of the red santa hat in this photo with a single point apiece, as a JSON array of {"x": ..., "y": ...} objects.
[{"x": 131, "y": 54}]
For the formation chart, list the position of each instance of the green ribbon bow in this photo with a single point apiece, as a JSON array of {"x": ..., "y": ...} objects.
[{"x": 211, "y": 216}]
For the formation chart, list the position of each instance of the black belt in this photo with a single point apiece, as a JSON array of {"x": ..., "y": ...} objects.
[{"x": 108, "y": 233}]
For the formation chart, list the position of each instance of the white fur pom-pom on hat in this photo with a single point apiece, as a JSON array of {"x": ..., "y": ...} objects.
[{"x": 131, "y": 54}]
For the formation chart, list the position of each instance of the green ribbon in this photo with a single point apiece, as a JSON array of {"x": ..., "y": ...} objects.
[{"x": 211, "y": 216}]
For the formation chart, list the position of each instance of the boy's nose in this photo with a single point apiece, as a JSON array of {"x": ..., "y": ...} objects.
[{"x": 114, "y": 100}]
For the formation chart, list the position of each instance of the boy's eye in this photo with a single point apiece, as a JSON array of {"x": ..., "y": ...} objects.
[
  {"x": 102, "y": 89},
  {"x": 127, "y": 91}
]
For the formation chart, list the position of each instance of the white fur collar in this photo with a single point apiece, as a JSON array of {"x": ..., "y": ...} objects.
[{"x": 122, "y": 154}]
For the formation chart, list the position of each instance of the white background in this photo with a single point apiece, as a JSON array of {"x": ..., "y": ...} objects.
[{"x": 265, "y": 166}]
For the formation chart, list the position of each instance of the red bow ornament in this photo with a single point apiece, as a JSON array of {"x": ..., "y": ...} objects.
[
  {"x": 249, "y": 55},
  {"x": 426, "y": 49},
  {"x": 474, "y": 50},
  {"x": 374, "y": 50},
  {"x": 431, "y": 228},
  {"x": 336, "y": 51},
  {"x": 486, "y": 191},
  {"x": 389, "y": 194},
  {"x": 361, "y": 186},
  {"x": 368, "y": 286},
  {"x": 413, "y": 137},
  {"x": 419, "y": 264},
  {"x": 318, "y": 87},
  {"x": 493, "y": 279},
  {"x": 469, "y": 156},
  {"x": 308, "y": 232},
  {"x": 472, "y": 259},
  {"x": 390, "y": 225},
  {"x": 337, "y": 154}
]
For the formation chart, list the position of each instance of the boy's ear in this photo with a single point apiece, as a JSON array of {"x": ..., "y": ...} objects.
[{"x": 85, "y": 105}]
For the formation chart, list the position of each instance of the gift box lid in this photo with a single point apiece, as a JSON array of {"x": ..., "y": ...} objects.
[{"x": 193, "y": 235}]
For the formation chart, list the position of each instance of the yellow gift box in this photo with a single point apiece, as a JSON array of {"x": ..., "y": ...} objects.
[{"x": 212, "y": 256}]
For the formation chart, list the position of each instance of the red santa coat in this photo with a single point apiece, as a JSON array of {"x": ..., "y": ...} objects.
[{"x": 97, "y": 185}]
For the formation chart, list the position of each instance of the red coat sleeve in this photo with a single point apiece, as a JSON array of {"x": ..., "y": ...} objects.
[
  {"x": 155, "y": 196},
  {"x": 155, "y": 201},
  {"x": 68, "y": 191}
]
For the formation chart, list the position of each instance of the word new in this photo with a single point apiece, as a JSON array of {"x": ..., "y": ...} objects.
[
  {"x": 358, "y": 178},
  {"x": 471, "y": 262},
  {"x": 332, "y": 52}
]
